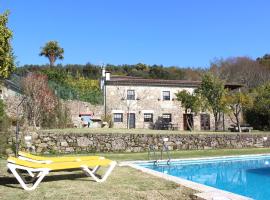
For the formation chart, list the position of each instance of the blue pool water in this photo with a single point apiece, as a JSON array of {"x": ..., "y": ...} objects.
[{"x": 248, "y": 176}]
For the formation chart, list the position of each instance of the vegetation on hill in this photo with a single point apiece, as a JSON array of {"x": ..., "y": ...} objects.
[
  {"x": 92, "y": 71},
  {"x": 243, "y": 70}
]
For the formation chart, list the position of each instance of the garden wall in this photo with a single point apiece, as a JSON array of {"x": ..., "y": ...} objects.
[{"x": 45, "y": 142}]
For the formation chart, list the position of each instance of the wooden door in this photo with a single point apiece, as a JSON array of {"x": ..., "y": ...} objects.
[
  {"x": 190, "y": 118},
  {"x": 205, "y": 122},
  {"x": 132, "y": 120}
]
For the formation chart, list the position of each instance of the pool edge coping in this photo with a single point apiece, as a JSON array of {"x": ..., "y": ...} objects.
[{"x": 205, "y": 192}]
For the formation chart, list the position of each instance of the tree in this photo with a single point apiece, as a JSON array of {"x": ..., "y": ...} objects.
[
  {"x": 40, "y": 98},
  {"x": 58, "y": 118},
  {"x": 141, "y": 67},
  {"x": 7, "y": 65},
  {"x": 213, "y": 92},
  {"x": 236, "y": 102},
  {"x": 189, "y": 102},
  {"x": 265, "y": 60},
  {"x": 241, "y": 70},
  {"x": 52, "y": 51},
  {"x": 157, "y": 71},
  {"x": 259, "y": 114}
]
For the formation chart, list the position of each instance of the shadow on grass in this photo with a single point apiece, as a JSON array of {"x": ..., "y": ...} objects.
[{"x": 10, "y": 181}]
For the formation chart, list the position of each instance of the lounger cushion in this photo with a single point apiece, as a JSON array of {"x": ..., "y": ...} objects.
[
  {"x": 58, "y": 165},
  {"x": 58, "y": 159}
]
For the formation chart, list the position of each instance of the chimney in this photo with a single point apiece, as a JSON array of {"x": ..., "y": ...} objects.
[
  {"x": 103, "y": 72},
  {"x": 102, "y": 79},
  {"x": 107, "y": 76}
]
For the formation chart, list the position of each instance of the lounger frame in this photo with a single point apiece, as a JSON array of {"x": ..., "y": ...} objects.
[{"x": 38, "y": 174}]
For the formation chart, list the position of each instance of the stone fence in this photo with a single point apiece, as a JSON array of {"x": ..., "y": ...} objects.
[{"x": 49, "y": 142}]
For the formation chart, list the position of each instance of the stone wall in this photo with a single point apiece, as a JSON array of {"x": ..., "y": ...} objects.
[
  {"x": 67, "y": 143},
  {"x": 77, "y": 107},
  {"x": 11, "y": 99}
]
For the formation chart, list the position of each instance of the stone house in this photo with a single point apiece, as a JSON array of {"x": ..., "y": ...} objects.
[{"x": 151, "y": 103}]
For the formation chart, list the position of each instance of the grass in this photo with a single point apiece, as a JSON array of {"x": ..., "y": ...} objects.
[
  {"x": 185, "y": 154},
  {"x": 133, "y": 131},
  {"x": 124, "y": 182},
  {"x": 177, "y": 154}
]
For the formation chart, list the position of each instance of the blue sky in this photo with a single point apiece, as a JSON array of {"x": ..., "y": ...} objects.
[{"x": 169, "y": 32}]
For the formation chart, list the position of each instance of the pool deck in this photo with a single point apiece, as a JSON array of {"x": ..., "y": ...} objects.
[{"x": 204, "y": 192}]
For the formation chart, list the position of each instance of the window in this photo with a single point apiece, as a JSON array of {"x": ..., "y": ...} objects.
[
  {"x": 166, "y": 95},
  {"x": 167, "y": 118},
  {"x": 118, "y": 117},
  {"x": 148, "y": 117},
  {"x": 130, "y": 94}
]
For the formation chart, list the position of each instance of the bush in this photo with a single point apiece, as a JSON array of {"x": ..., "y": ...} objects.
[
  {"x": 108, "y": 119},
  {"x": 59, "y": 118},
  {"x": 257, "y": 120},
  {"x": 259, "y": 114},
  {"x": 5, "y": 124}
]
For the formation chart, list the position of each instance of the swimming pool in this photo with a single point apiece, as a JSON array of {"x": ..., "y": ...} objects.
[{"x": 245, "y": 175}]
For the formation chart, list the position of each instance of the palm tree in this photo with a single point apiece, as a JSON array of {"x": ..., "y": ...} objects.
[{"x": 52, "y": 51}]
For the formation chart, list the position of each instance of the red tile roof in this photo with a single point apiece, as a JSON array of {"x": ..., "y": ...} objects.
[{"x": 127, "y": 80}]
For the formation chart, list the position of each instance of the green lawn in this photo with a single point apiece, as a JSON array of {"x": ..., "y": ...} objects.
[
  {"x": 179, "y": 154},
  {"x": 124, "y": 182},
  {"x": 132, "y": 131},
  {"x": 186, "y": 153}
]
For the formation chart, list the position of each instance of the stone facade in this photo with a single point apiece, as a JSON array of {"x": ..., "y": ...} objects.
[
  {"x": 11, "y": 96},
  {"x": 67, "y": 143},
  {"x": 149, "y": 100}
]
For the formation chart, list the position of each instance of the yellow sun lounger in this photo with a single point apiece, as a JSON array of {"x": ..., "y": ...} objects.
[
  {"x": 43, "y": 159},
  {"x": 37, "y": 171}
]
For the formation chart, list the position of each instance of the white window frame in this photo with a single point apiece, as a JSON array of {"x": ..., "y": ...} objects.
[
  {"x": 152, "y": 117},
  {"x": 130, "y": 95},
  {"x": 167, "y": 117},
  {"x": 162, "y": 95},
  {"x": 121, "y": 119}
]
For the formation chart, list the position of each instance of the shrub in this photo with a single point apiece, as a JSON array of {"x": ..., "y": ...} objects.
[
  {"x": 59, "y": 118},
  {"x": 259, "y": 114},
  {"x": 5, "y": 133},
  {"x": 108, "y": 119}
]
